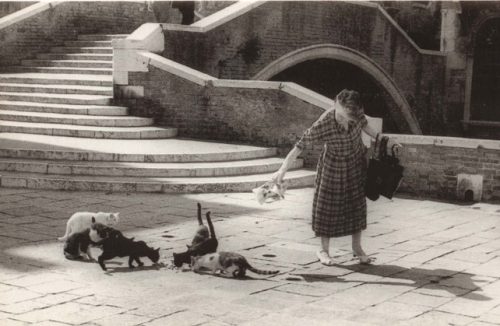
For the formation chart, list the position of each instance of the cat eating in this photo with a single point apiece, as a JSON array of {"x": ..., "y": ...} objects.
[
  {"x": 226, "y": 262},
  {"x": 115, "y": 244},
  {"x": 80, "y": 221},
  {"x": 204, "y": 242}
]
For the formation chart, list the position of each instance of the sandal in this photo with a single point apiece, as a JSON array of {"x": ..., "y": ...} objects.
[
  {"x": 324, "y": 258},
  {"x": 363, "y": 259}
]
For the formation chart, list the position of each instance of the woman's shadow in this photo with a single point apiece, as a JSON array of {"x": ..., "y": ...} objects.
[{"x": 429, "y": 279}]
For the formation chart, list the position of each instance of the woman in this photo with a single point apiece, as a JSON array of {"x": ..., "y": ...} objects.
[{"x": 339, "y": 205}]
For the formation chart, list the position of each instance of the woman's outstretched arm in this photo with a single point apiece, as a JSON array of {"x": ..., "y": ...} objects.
[{"x": 290, "y": 158}]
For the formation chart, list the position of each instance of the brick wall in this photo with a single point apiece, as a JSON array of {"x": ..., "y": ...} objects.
[
  {"x": 26, "y": 38},
  {"x": 242, "y": 47},
  {"x": 259, "y": 116},
  {"x": 433, "y": 163}
]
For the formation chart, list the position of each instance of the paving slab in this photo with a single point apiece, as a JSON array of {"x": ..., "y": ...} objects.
[{"x": 436, "y": 266}]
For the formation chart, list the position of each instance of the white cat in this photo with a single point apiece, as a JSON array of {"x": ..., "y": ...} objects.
[
  {"x": 80, "y": 221},
  {"x": 269, "y": 192}
]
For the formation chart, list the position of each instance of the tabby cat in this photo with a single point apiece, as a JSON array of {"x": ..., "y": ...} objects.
[{"x": 226, "y": 262}]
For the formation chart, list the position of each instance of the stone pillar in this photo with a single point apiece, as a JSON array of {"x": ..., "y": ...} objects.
[
  {"x": 456, "y": 61},
  {"x": 450, "y": 26}
]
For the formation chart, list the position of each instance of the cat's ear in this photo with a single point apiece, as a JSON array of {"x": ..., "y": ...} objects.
[
  {"x": 158, "y": 250},
  {"x": 93, "y": 219}
]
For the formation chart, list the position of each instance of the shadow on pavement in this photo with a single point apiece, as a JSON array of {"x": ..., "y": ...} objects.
[{"x": 417, "y": 275}]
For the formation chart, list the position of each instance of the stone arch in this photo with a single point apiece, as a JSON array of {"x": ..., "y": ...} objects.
[{"x": 345, "y": 54}]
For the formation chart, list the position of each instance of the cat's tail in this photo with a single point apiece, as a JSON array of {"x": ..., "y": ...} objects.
[
  {"x": 200, "y": 221},
  {"x": 66, "y": 235},
  {"x": 210, "y": 226},
  {"x": 260, "y": 271}
]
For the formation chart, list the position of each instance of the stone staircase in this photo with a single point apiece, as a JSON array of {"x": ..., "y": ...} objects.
[{"x": 60, "y": 130}]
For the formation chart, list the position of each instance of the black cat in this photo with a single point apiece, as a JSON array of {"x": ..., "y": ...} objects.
[
  {"x": 77, "y": 245},
  {"x": 201, "y": 245},
  {"x": 117, "y": 245}
]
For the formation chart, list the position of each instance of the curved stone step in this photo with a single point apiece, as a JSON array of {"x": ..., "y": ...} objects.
[
  {"x": 73, "y": 119},
  {"x": 82, "y": 44},
  {"x": 87, "y": 131},
  {"x": 135, "y": 169},
  {"x": 79, "y": 99},
  {"x": 293, "y": 179},
  {"x": 68, "y": 63},
  {"x": 63, "y": 108},
  {"x": 63, "y": 70},
  {"x": 56, "y": 89},
  {"x": 75, "y": 56},
  {"x": 101, "y": 37},
  {"x": 57, "y": 79},
  {"x": 174, "y": 150},
  {"x": 83, "y": 49}
]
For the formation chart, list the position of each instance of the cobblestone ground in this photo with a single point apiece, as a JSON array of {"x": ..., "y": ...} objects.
[{"x": 437, "y": 264}]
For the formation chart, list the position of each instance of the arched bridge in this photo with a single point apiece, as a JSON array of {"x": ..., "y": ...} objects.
[{"x": 260, "y": 40}]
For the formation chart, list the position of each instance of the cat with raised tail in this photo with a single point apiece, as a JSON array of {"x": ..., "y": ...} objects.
[
  {"x": 226, "y": 262},
  {"x": 81, "y": 221},
  {"x": 204, "y": 241}
]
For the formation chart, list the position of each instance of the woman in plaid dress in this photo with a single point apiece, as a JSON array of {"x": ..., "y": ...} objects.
[{"x": 339, "y": 205}]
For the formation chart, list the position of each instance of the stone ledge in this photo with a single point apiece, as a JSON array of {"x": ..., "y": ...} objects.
[
  {"x": 446, "y": 141},
  {"x": 27, "y": 12}
]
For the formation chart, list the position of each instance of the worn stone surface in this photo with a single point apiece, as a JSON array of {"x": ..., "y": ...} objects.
[{"x": 433, "y": 279}]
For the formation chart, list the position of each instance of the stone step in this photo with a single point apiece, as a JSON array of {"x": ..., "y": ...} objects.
[
  {"x": 87, "y": 131},
  {"x": 76, "y": 56},
  {"x": 64, "y": 79},
  {"x": 63, "y": 108},
  {"x": 56, "y": 89},
  {"x": 85, "y": 44},
  {"x": 134, "y": 169},
  {"x": 293, "y": 179},
  {"x": 63, "y": 70},
  {"x": 101, "y": 37},
  {"x": 79, "y": 99},
  {"x": 83, "y": 49},
  {"x": 77, "y": 120},
  {"x": 68, "y": 63},
  {"x": 174, "y": 150}
]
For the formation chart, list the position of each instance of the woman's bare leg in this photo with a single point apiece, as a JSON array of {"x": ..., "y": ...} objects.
[
  {"x": 324, "y": 252},
  {"x": 356, "y": 244},
  {"x": 325, "y": 244},
  {"x": 357, "y": 249}
]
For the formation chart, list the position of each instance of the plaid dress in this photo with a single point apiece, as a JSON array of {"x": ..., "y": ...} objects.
[{"x": 339, "y": 206}]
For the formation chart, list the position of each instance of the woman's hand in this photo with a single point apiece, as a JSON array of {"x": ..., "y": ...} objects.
[{"x": 394, "y": 145}]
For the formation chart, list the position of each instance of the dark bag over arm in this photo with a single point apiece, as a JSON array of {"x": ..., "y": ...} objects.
[{"x": 384, "y": 172}]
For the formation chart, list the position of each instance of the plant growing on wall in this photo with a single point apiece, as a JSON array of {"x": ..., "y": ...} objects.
[{"x": 250, "y": 51}]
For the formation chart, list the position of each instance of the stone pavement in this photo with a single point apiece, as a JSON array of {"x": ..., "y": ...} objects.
[{"x": 437, "y": 264}]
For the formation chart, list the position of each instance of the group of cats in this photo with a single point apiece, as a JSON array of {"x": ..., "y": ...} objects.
[{"x": 85, "y": 228}]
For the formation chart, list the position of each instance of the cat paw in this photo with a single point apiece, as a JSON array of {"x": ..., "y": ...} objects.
[{"x": 131, "y": 266}]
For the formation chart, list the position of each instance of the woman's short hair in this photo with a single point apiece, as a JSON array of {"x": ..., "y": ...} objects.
[{"x": 350, "y": 99}]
